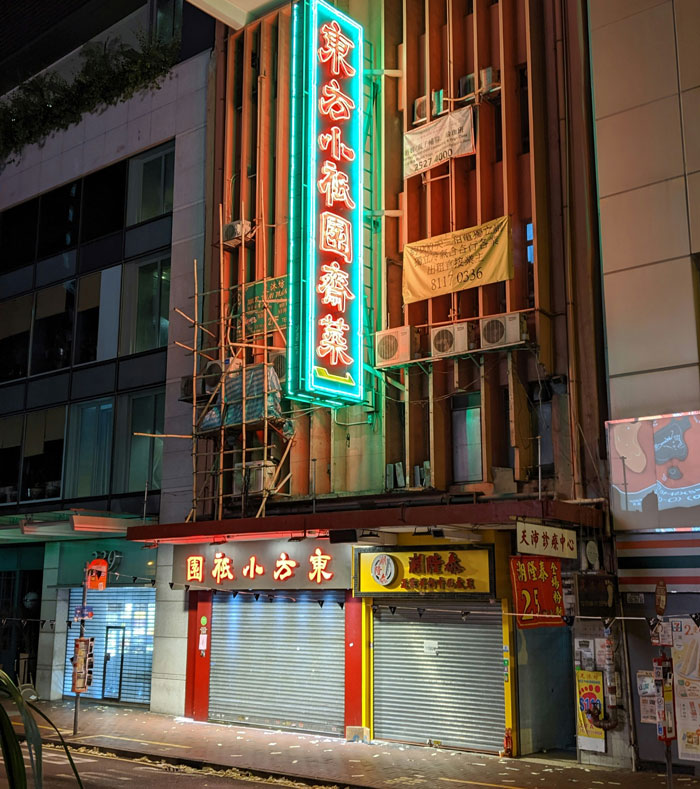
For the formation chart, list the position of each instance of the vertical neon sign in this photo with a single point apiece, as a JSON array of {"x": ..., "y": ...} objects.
[{"x": 325, "y": 359}]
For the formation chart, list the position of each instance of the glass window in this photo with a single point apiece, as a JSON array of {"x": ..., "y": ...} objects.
[
  {"x": 18, "y": 235},
  {"x": 138, "y": 458},
  {"x": 53, "y": 328},
  {"x": 42, "y": 459},
  {"x": 151, "y": 184},
  {"x": 530, "y": 254},
  {"x": 168, "y": 19},
  {"x": 145, "y": 305},
  {"x": 466, "y": 439},
  {"x": 104, "y": 194},
  {"x": 89, "y": 451},
  {"x": 14, "y": 337},
  {"x": 97, "y": 316},
  {"x": 10, "y": 454},
  {"x": 58, "y": 219}
]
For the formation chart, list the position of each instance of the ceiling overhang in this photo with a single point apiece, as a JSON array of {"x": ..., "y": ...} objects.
[
  {"x": 235, "y": 13},
  {"x": 64, "y": 525}
]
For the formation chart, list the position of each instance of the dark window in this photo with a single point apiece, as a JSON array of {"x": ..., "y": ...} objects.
[
  {"x": 97, "y": 316},
  {"x": 542, "y": 427},
  {"x": 530, "y": 253},
  {"x": 145, "y": 305},
  {"x": 42, "y": 464},
  {"x": 466, "y": 438},
  {"x": 168, "y": 19},
  {"x": 18, "y": 235},
  {"x": 150, "y": 192},
  {"x": 14, "y": 337},
  {"x": 104, "y": 199},
  {"x": 524, "y": 110},
  {"x": 10, "y": 454},
  {"x": 53, "y": 328},
  {"x": 138, "y": 458},
  {"x": 89, "y": 452},
  {"x": 58, "y": 219}
]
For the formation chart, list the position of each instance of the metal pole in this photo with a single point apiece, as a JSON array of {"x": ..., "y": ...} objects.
[
  {"x": 669, "y": 767},
  {"x": 313, "y": 485},
  {"x": 76, "y": 713},
  {"x": 539, "y": 467}
]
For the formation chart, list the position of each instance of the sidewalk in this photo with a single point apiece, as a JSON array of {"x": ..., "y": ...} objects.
[{"x": 134, "y": 732}]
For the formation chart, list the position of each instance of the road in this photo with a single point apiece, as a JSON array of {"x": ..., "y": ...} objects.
[{"x": 107, "y": 772}]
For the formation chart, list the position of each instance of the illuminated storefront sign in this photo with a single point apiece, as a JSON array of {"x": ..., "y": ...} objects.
[
  {"x": 268, "y": 564},
  {"x": 422, "y": 570},
  {"x": 325, "y": 238}
]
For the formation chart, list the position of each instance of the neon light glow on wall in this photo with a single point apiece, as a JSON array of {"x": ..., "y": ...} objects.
[{"x": 325, "y": 240}]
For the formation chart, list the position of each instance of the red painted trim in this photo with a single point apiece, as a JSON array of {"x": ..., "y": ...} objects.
[
  {"x": 353, "y": 660},
  {"x": 641, "y": 545},
  {"x": 650, "y": 580},
  {"x": 198, "y": 663}
]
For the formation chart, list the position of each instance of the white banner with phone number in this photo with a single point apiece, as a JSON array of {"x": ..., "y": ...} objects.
[
  {"x": 686, "y": 686},
  {"x": 437, "y": 142}
]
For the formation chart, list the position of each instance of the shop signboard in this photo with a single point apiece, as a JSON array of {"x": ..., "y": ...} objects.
[
  {"x": 596, "y": 595},
  {"x": 686, "y": 684},
  {"x": 537, "y": 591},
  {"x": 589, "y": 686},
  {"x": 534, "y": 538},
  {"x": 263, "y": 564},
  {"x": 265, "y": 305},
  {"x": 437, "y": 142},
  {"x": 425, "y": 570},
  {"x": 326, "y": 207}
]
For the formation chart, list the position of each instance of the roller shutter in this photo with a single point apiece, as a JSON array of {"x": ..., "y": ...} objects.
[
  {"x": 278, "y": 663},
  {"x": 438, "y": 678},
  {"x": 135, "y": 611}
]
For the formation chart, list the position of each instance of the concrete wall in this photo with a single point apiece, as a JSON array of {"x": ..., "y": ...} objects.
[{"x": 646, "y": 71}]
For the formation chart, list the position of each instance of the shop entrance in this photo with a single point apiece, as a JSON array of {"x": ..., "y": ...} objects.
[{"x": 114, "y": 663}]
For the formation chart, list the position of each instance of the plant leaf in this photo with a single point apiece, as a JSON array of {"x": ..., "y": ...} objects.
[
  {"x": 12, "y": 752},
  {"x": 63, "y": 742},
  {"x": 31, "y": 730}
]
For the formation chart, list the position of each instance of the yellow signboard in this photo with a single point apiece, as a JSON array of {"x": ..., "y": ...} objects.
[
  {"x": 457, "y": 261},
  {"x": 423, "y": 570}
]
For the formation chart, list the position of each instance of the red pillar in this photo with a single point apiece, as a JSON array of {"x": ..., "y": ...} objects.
[
  {"x": 198, "y": 660},
  {"x": 353, "y": 660}
]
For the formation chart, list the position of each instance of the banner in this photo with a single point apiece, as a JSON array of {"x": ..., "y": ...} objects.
[
  {"x": 457, "y": 261},
  {"x": 686, "y": 686},
  {"x": 589, "y": 687},
  {"x": 546, "y": 540},
  {"x": 449, "y": 136},
  {"x": 537, "y": 591}
]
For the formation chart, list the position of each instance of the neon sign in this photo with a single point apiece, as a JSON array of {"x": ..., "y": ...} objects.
[{"x": 325, "y": 239}]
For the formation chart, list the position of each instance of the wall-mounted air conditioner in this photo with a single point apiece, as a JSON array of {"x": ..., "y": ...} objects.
[
  {"x": 420, "y": 110},
  {"x": 438, "y": 105},
  {"x": 278, "y": 359},
  {"x": 187, "y": 389},
  {"x": 466, "y": 86},
  {"x": 453, "y": 339},
  {"x": 211, "y": 375},
  {"x": 394, "y": 347},
  {"x": 256, "y": 478},
  {"x": 502, "y": 330},
  {"x": 490, "y": 78},
  {"x": 236, "y": 230}
]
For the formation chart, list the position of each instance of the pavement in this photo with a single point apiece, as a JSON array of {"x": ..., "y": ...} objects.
[{"x": 319, "y": 760}]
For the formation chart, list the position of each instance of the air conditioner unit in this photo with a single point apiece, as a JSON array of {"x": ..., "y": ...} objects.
[
  {"x": 490, "y": 78},
  {"x": 187, "y": 389},
  {"x": 259, "y": 475},
  {"x": 420, "y": 110},
  {"x": 453, "y": 339},
  {"x": 234, "y": 231},
  {"x": 438, "y": 103},
  {"x": 278, "y": 360},
  {"x": 502, "y": 330},
  {"x": 395, "y": 346},
  {"x": 212, "y": 372},
  {"x": 466, "y": 86}
]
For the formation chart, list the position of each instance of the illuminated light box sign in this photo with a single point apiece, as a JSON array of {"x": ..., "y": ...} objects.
[
  {"x": 325, "y": 238},
  {"x": 263, "y": 564}
]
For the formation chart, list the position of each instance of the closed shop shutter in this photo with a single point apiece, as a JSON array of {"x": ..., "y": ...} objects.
[
  {"x": 127, "y": 617},
  {"x": 278, "y": 663},
  {"x": 438, "y": 678}
]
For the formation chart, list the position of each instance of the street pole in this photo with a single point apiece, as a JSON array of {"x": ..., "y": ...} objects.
[
  {"x": 669, "y": 766},
  {"x": 76, "y": 713}
]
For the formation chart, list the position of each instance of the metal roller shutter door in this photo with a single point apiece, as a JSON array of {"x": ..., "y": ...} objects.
[
  {"x": 278, "y": 663},
  {"x": 454, "y": 697},
  {"x": 133, "y": 609}
]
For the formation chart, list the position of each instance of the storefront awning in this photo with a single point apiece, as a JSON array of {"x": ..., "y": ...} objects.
[{"x": 480, "y": 515}]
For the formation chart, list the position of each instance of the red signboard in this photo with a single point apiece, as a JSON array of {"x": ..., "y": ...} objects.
[{"x": 537, "y": 591}]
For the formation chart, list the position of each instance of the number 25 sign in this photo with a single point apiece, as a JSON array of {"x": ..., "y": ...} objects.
[{"x": 537, "y": 591}]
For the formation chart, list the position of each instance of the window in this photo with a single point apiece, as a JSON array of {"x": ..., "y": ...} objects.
[
  {"x": 18, "y": 235},
  {"x": 14, "y": 337},
  {"x": 168, "y": 19},
  {"x": 42, "y": 463},
  {"x": 10, "y": 454},
  {"x": 53, "y": 328},
  {"x": 138, "y": 458},
  {"x": 151, "y": 184},
  {"x": 89, "y": 453},
  {"x": 104, "y": 195},
  {"x": 145, "y": 305},
  {"x": 97, "y": 316},
  {"x": 530, "y": 254},
  {"x": 58, "y": 220},
  {"x": 524, "y": 110},
  {"x": 466, "y": 438},
  {"x": 542, "y": 427}
]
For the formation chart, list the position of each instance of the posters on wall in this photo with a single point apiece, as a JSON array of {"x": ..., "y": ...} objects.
[
  {"x": 686, "y": 685},
  {"x": 589, "y": 686},
  {"x": 647, "y": 696}
]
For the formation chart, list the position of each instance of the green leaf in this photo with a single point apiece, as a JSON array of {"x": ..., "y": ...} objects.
[
  {"x": 12, "y": 752},
  {"x": 63, "y": 742},
  {"x": 31, "y": 730}
]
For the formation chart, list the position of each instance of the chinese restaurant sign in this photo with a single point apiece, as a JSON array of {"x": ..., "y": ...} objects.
[
  {"x": 263, "y": 564},
  {"x": 537, "y": 590},
  {"x": 423, "y": 570},
  {"x": 325, "y": 213},
  {"x": 546, "y": 540}
]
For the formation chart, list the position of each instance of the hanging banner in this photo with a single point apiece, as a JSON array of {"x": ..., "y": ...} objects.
[
  {"x": 589, "y": 686},
  {"x": 546, "y": 540},
  {"x": 537, "y": 591},
  {"x": 686, "y": 684},
  {"x": 457, "y": 261},
  {"x": 449, "y": 136}
]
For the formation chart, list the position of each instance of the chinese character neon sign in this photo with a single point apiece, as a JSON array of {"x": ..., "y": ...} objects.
[{"x": 325, "y": 239}]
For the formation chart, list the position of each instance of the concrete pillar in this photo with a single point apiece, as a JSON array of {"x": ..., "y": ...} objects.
[{"x": 52, "y": 641}]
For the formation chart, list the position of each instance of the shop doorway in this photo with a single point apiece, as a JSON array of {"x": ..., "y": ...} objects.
[{"x": 114, "y": 663}]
